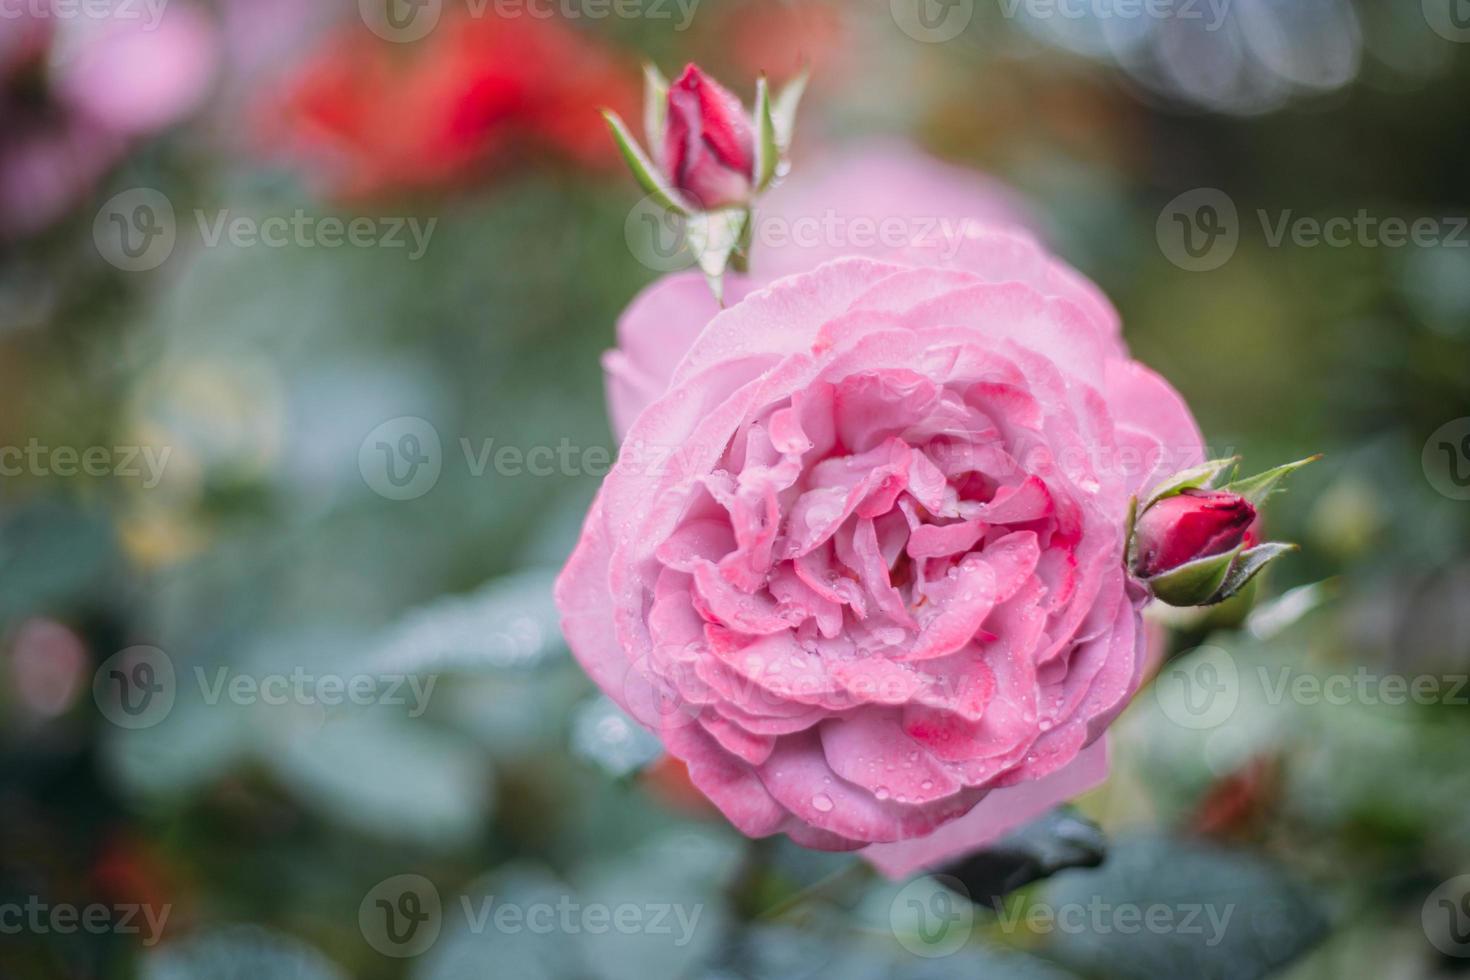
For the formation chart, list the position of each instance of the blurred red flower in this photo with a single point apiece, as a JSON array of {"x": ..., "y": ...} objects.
[{"x": 368, "y": 116}]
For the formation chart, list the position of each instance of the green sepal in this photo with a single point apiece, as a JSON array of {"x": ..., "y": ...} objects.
[
  {"x": 1257, "y": 488},
  {"x": 655, "y": 108},
  {"x": 767, "y": 152},
  {"x": 1195, "y": 583},
  {"x": 783, "y": 109},
  {"x": 1129, "y": 523},
  {"x": 1247, "y": 566},
  {"x": 1193, "y": 478},
  {"x": 644, "y": 171}
]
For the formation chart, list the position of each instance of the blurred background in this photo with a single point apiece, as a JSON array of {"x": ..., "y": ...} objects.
[{"x": 300, "y": 408}]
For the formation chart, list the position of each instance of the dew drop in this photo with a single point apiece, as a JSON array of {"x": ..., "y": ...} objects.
[
  {"x": 822, "y": 802},
  {"x": 881, "y": 792},
  {"x": 927, "y": 784}
]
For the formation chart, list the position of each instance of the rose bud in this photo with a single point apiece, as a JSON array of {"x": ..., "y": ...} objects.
[
  {"x": 1191, "y": 525},
  {"x": 709, "y": 142}
]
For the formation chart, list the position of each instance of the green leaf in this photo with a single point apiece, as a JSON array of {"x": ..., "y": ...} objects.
[
  {"x": 1192, "y": 478},
  {"x": 1056, "y": 841},
  {"x": 1249, "y": 918},
  {"x": 767, "y": 152},
  {"x": 644, "y": 171},
  {"x": 1257, "y": 488},
  {"x": 1194, "y": 583},
  {"x": 1248, "y": 566},
  {"x": 783, "y": 110},
  {"x": 655, "y": 107}
]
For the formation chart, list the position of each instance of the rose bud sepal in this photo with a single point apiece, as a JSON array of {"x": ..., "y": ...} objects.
[{"x": 1195, "y": 583}]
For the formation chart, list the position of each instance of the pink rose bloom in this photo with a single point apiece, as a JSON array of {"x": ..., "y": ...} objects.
[{"x": 860, "y": 562}]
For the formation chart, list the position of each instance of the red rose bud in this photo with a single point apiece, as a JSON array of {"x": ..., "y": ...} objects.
[
  {"x": 1188, "y": 526},
  {"x": 709, "y": 142}
]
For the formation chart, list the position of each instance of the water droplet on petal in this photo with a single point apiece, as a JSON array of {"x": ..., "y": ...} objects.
[
  {"x": 881, "y": 792},
  {"x": 822, "y": 802}
]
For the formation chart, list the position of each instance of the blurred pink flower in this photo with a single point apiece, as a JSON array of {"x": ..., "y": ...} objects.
[{"x": 75, "y": 92}]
